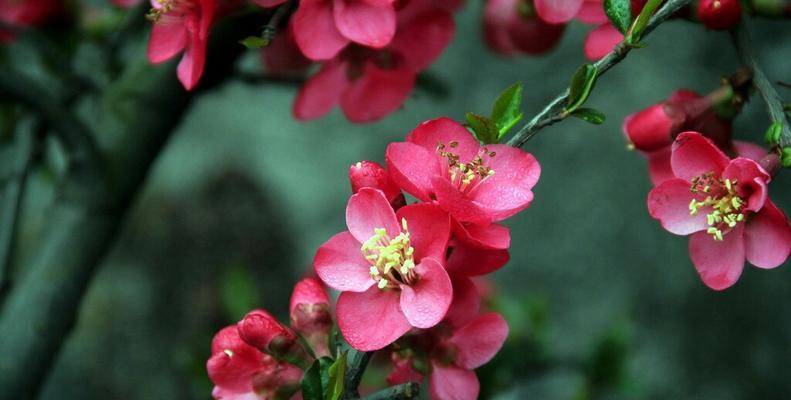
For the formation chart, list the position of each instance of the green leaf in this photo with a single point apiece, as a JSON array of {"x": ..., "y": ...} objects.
[
  {"x": 311, "y": 383},
  {"x": 620, "y": 13},
  {"x": 581, "y": 86},
  {"x": 590, "y": 115},
  {"x": 785, "y": 157},
  {"x": 638, "y": 26},
  {"x": 773, "y": 134},
  {"x": 484, "y": 129},
  {"x": 337, "y": 375},
  {"x": 506, "y": 111},
  {"x": 255, "y": 42}
]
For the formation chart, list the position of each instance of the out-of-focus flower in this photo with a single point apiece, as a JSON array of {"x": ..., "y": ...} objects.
[{"x": 719, "y": 15}]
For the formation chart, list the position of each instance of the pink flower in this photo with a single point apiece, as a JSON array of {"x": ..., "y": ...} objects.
[
  {"x": 310, "y": 314},
  {"x": 322, "y": 28},
  {"x": 508, "y": 31},
  {"x": 724, "y": 204},
  {"x": 441, "y": 161},
  {"x": 389, "y": 268},
  {"x": 240, "y": 372},
  {"x": 263, "y": 331},
  {"x": 369, "y": 84},
  {"x": 23, "y": 13},
  {"x": 370, "y": 174},
  {"x": 448, "y": 353},
  {"x": 181, "y": 26}
]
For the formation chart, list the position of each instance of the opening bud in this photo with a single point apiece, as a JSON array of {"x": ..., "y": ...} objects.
[
  {"x": 261, "y": 330},
  {"x": 310, "y": 314},
  {"x": 370, "y": 174}
]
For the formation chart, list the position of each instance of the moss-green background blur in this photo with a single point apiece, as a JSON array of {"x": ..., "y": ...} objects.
[{"x": 602, "y": 302}]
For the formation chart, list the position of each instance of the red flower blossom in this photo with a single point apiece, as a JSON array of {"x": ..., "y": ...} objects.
[
  {"x": 724, "y": 204},
  {"x": 441, "y": 161},
  {"x": 389, "y": 268},
  {"x": 369, "y": 84},
  {"x": 241, "y": 372},
  {"x": 23, "y": 13},
  {"x": 181, "y": 26}
]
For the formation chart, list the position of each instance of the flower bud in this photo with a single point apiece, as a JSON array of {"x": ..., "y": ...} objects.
[
  {"x": 310, "y": 314},
  {"x": 262, "y": 331},
  {"x": 719, "y": 15},
  {"x": 370, "y": 174},
  {"x": 770, "y": 163},
  {"x": 650, "y": 129}
]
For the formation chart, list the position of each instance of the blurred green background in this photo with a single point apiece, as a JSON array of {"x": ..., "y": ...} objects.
[{"x": 602, "y": 302}]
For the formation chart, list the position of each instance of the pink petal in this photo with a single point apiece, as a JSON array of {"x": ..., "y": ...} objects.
[
  {"x": 445, "y": 131},
  {"x": 601, "y": 41},
  {"x": 492, "y": 236},
  {"x": 341, "y": 265},
  {"x": 508, "y": 191},
  {"x": 452, "y": 383},
  {"x": 167, "y": 39},
  {"x": 458, "y": 204},
  {"x": 557, "y": 11},
  {"x": 767, "y": 237},
  {"x": 683, "y": 95},
  {"x": 403, "y": 373},
  {"x": 412, "y": 168},
  {"x": 659, "y": 166},
  {"x": 234, "y": 369},
  {"x": 365, "y": 23},
  {"x": 433, "y": 30},
  {"x": 669, "y": 203},
  {"x": 315, "y": 31},
  {"x": 466, "y": 302},
  {"x": 592, "y": 12},
  {"x": 751, "y": 180},
  {"x": 321, "y": 92},
  {"x": 479, "y": 340},
  {"x": 426, "y": 302},
  {"x": 429, "y": 229},
  {"x": 749, "y": 150},
  {"x": 190, "y": 67},
  {"x": 371, "y": 320},
  {"x": 719, "y": 262},
  {"x": 368, "y": 210},
  {"x": 377, "y": 93},
  {"x": 308, "y": 291},
  {"x": 471, "y": 261},
  {"x": 649, "y": 129},
  {"x": 534, "y": 36},
  {"x": 694, "y": 155},
  {"x": 221, "y": 393},
  {"x": 497, "y": 15},
  {"x": 227, "y": 338}
]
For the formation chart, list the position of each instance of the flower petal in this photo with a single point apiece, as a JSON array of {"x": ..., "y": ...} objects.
[
  {"x": 767, "y": 237},
  {"x": 719, "y": 262},
  {"x": 315, "y": 31},
  {"x": 341, "y": 265},
  {"x": 190, "y": 67},
  {"x": 426, "y": 302},
  {"x": 592, "y": 12},
  {"x": 508, "y": 191},
  {"x": 496, "y": 16},
  {"x": 479, "y": 340},
  {"x": 365, "y": 23},
  {"x": 377, "y": 93},
  {"x": 492, "y": 236},
  {"x": 452, "y": 383},
  {"x": 749, "y": 150},
  {"x": 601, "y": 41},
  {"x": 458, "y": 204},
  {"x": 321, "y": 92},
  {"x": 412, "y": 168},
  {"x": 433, "y": 30},
  {"x": 659, "y": 169},
  {"x": 669, "y": 203},
  {"x": 751, "y": 180},
  {"x": 445, "y": 131},
  {"x": 429, "y": 229},
  {"x": 367, "y": 210},
  {"x": 168, "y": 38},
  {"x": 466, "y": 302},
  {"x": 694, "y": 155},
  {"x": 371, "y": 320},
  {"x": 649, "y": 129},
  {"x": 557, "y": 11},
  {"x": 470, "y": 261},
  {"x": 534, "y": 36}
]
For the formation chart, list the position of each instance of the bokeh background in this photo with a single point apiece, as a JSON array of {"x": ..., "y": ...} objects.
[{"x": 601, "y": 301}]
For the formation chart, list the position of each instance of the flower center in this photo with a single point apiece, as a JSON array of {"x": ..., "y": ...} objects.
[
  {"x": 466, "y": 176},
  {"x": 727, "y": 207},
  {"x": 163, "y": 7},
  {"x": 392, "y": 259}
]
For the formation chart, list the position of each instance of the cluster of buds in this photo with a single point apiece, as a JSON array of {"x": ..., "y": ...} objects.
[{"x": 260, "y": 358}]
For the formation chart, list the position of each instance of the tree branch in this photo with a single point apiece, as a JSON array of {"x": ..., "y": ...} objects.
[
  {"x": 553, "y": 112},
  {"x": 409, "y": 390},
  {"x": 772, "y": 100}
]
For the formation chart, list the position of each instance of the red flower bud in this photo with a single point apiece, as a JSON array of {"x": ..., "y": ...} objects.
[
  {"x": 650, "y": 129},
  {"x": 719, "y": 15},
  {"x": 370, "y": 174},
  {"x": 262, "y": 331},
  {"x": 310, "y": 314}
]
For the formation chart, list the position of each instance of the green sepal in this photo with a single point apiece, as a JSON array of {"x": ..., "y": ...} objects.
[{"x": 590, "y": 115}]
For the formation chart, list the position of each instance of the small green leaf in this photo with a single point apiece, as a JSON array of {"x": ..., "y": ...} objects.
[
  {"x": 311, "y": 383},
  {"x": 785, "y": 157},
  {"x": 484, "y": 129},
  {"x": 590, "y": 115},
  {"x": 337, "y": 376},
  {"x": 506, "y": 111},
  {"x": 581, "y": 86},
  {"x": 638, "y": 26},
  {"x": 255, "y": 42},
  {"x": 620, "y": 13},
  {"x": 773, "y": 134}
]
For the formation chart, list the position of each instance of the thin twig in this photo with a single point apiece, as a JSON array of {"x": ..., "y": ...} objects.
[
  {"x": 405, "y": 391},
  {"x": 553, "y": 112},
  {"x": 772, "y": 100}
]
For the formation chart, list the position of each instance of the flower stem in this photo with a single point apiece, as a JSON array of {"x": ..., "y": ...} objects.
[
  {"x": 410, "y": 390},
  {"x": 772, "y": 100},
  {"x": 553, "y": 112},
  {"x": 358, "y": 361}
]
